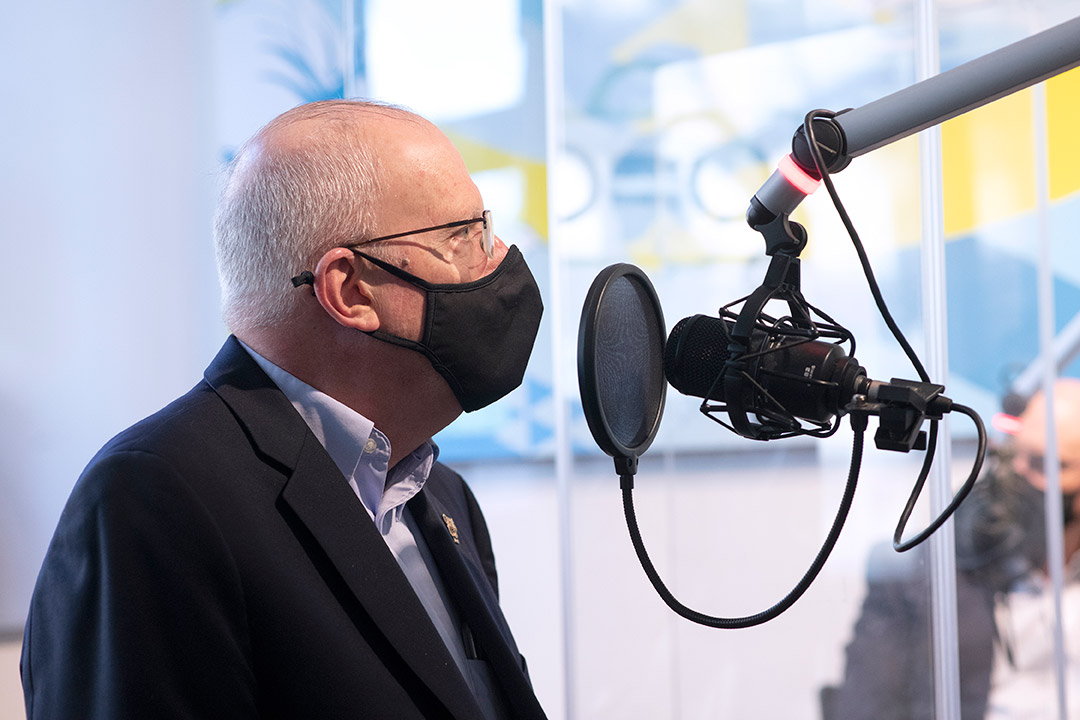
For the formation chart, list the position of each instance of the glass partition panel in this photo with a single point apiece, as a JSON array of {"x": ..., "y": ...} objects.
[
  {"x": 1011, "y": 298},
  {"x": 673, "y": 116}
]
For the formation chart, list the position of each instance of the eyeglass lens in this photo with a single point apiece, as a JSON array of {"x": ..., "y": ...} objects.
[
  {"x": 1036, "y": 462},
  {"x": 489, "y": 235}
]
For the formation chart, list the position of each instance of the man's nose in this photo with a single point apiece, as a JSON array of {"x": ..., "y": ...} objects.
[{"x": 499, "y": 250}]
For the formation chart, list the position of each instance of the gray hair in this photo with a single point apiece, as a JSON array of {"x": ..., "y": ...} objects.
[{"x": 280, "y": 209}]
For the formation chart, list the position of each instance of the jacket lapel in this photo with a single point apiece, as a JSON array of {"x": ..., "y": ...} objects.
[
  {"x": 327, "y": 507},
  {"x": 471, "y": 591}
]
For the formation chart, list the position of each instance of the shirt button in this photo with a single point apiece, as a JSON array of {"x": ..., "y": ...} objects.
[{"x": 369, "y": 446}]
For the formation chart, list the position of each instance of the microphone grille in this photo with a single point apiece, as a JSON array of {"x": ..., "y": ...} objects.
[{"x": 695, "y": 354}]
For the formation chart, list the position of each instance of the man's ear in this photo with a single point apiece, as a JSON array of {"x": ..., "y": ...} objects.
[{"x": 343, "y": 292}]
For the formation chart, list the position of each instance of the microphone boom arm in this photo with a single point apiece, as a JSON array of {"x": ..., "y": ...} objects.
[
  {"x": 826, "y": 143},
  {"x": 851, "y": 133},
  {"x": 965, "y": 87}
]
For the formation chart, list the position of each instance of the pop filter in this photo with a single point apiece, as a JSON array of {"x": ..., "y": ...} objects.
[{"x": 621, "y": 363}]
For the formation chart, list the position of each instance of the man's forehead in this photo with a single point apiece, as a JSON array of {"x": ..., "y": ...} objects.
[
  {"x": 421, "y": 173},
  {"x": 1032, "y": 438},
  {"x": 427, "y": 170}
]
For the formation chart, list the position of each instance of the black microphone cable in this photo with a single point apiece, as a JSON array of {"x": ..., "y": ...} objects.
[
  {"x": 859, "y": 421},
  {"x": 858, "y": 424},
  {"x": 879, "y": 301}
]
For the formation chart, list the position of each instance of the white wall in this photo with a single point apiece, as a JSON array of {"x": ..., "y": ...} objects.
[{"x": 109, "y": 297}]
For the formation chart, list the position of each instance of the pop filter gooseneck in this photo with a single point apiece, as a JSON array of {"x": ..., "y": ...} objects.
[{"x": 621, "y": 378}]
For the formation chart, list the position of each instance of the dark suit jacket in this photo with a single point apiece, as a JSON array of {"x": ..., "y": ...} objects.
[
  {"x": 890, "y": 666},
  {"x": 213, "y": 563}
]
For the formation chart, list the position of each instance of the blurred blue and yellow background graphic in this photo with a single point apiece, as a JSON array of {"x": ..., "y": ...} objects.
[{"x": 599, "y": 131}]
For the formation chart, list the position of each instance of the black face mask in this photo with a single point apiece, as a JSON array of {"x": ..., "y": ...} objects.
[
  {"x": 1001, "y": 526},
  {"x": 478, "y": 335}
]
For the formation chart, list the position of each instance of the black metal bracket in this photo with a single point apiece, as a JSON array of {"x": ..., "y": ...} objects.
[{"x": 901, "y": 406}]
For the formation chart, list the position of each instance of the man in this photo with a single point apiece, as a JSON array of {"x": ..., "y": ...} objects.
[
  {"x": 281, "y": 542},
  {"x": 1003, "y": 593}
]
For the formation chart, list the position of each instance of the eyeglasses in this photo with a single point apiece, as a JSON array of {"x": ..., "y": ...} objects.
[
  {"x": 487, "y": 240},
  {"x": 1036, "y": 462}
]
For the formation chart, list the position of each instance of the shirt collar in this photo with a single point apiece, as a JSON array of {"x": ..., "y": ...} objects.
[{"x": 359, "y": 449}]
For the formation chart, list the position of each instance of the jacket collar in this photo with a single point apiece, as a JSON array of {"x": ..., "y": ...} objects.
[{"x": 323, "y": 502}]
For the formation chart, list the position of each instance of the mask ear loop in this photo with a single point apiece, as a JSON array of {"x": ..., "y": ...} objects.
[
  {"x": 308, "y": 278},
  {"x": 304, "y": 278}
]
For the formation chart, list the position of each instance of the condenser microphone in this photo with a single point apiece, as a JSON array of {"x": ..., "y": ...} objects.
[{"x": 777, "y": 374}]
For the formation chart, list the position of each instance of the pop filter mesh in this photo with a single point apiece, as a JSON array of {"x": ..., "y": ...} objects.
[{"x": 628, "y": 360}]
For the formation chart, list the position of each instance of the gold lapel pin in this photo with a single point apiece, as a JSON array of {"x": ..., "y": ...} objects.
[{"x": 451, "y": 526}]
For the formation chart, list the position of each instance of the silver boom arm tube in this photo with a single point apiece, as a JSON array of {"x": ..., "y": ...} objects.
[{"x": 928, "y": 103}]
